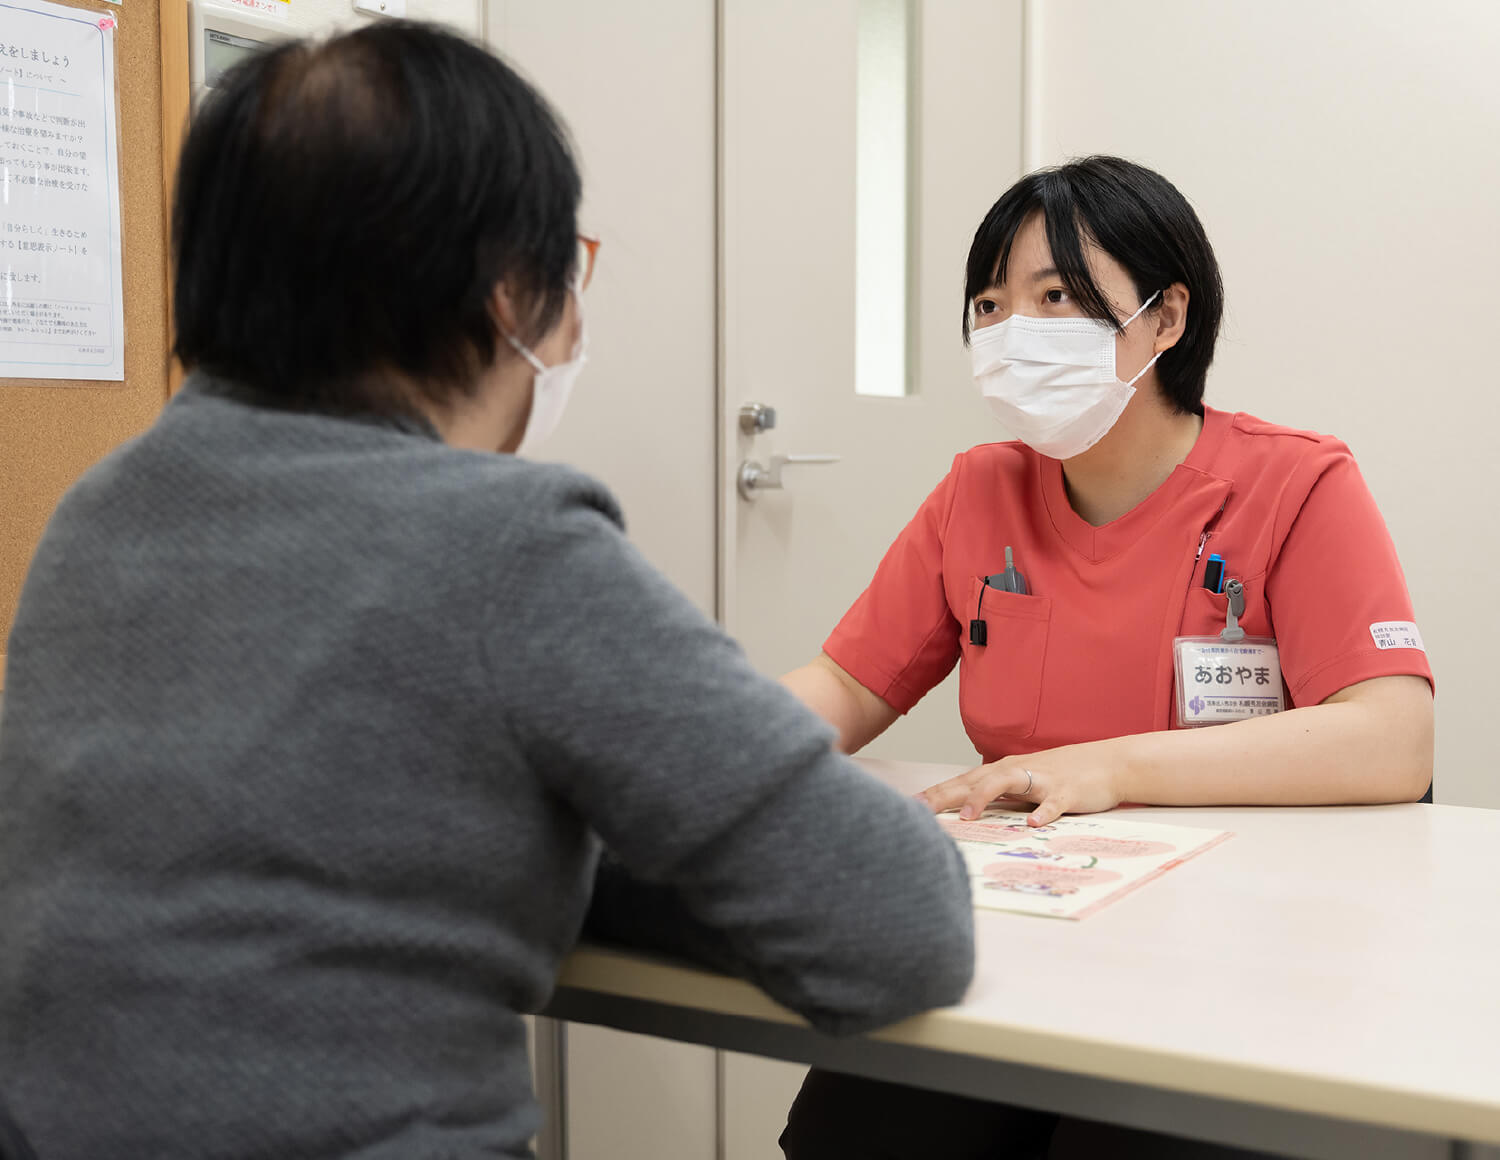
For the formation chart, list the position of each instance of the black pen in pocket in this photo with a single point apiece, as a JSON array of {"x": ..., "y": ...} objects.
[{"x": 1010, "y": 580}]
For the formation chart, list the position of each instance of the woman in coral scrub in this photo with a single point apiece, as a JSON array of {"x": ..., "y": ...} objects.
[{"x": 1132, "y": 564}]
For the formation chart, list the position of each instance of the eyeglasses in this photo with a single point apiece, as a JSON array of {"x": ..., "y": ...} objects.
[{"x": 588, "y": 254}]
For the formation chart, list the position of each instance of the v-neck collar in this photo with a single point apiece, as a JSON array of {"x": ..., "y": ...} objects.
[{"x": 1108, "y": 539}]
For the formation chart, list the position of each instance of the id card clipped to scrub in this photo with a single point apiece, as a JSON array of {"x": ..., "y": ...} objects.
[{"x": 1229, "y": 677}]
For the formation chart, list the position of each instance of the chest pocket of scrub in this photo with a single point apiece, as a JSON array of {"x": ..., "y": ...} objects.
[
  {"x": 1000, "y": 681},
  {"x": 1206, "y": 612}
]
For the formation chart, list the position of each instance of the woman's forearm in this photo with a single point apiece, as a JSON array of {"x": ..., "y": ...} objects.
[
  {"x": 1369, "y": 743},
  {"x": 825, "y": 688}
]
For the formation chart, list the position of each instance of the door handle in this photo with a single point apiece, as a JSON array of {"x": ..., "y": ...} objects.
[{"x": 754, "y": 477}]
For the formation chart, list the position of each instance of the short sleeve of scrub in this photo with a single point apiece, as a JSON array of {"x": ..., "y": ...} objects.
[
  {"x": 900, "y": 639},
  {"x": 1337, "y": 595}
]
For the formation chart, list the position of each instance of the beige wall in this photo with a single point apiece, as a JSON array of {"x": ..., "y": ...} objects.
[{"x": 1343, "y": 156}]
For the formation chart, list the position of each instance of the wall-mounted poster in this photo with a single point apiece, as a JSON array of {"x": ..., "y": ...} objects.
[{"x": 61, "y": 309}]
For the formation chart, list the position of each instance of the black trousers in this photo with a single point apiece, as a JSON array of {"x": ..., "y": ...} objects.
[{"x": 841, "y": 1117}]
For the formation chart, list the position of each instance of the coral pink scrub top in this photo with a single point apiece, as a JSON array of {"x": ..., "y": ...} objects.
[{"x": 1087, "y": 653}]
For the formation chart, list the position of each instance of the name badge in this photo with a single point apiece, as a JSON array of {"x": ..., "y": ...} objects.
[{"x": 1220, "y": 681}]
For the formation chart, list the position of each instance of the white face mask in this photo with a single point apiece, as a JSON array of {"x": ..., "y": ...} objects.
[
  {"x": 1052, "y": 381},
  {"x": 552, "y": 386}
]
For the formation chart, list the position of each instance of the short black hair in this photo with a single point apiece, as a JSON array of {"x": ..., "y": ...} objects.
[
  {"x": 344, "y": 210},
  {"x": 1139, "y": 219}
]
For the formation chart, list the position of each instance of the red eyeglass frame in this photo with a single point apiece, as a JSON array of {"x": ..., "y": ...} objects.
[{"x": 588, "y": 254}]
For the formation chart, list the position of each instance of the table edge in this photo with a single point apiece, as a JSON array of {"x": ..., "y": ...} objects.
[{"x": 631, "y": 975}]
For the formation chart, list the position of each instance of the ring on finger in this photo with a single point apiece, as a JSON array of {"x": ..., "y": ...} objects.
[{"x": 1029, "y": 779}]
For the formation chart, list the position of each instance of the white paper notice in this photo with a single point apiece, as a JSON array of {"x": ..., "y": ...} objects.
[{"x": 61, "y": 314}]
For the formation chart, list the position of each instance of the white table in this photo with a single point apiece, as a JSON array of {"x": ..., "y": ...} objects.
[{"x": 1326, "y": 983}]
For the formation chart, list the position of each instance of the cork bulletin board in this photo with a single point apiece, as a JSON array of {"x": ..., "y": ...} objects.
[{"x": 52, "y": 431}]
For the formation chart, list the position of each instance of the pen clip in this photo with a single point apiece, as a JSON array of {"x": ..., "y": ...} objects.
[
  {"x": 1011, "y": 579},
  {"x": 1235, "y": 590}
]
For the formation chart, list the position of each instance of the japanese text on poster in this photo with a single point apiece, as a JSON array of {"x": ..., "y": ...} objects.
[
  {"x": 275, "y": 9},
  {"x": 61, "y": 314}
]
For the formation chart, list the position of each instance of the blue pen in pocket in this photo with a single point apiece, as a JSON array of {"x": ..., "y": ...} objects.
[{"x": 1213, "y": 573}]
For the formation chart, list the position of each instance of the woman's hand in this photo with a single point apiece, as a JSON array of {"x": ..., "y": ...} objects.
[{"x": 1072, "y": 779}]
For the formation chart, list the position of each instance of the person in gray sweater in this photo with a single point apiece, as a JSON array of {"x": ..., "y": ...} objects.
[{"x": 319, "y": 711}]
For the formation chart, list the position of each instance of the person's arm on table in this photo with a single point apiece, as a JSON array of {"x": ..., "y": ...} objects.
[
  {"x": 1369, "y": 743},
  {"x": 830, "y": 692},
  {"x": 749, "y": 842}
]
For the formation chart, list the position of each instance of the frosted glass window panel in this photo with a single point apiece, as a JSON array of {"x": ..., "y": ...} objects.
[{"x": 881, "y": 198}]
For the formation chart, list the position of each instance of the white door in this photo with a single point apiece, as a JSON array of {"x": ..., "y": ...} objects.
[
  {"x": 635, "y": 85},
  {"x": 813, "y": 183},
  {"x": 794, "y": 188}
]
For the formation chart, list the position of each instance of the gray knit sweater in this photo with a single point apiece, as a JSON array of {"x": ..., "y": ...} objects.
[{"x": 312, "y": 729}]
